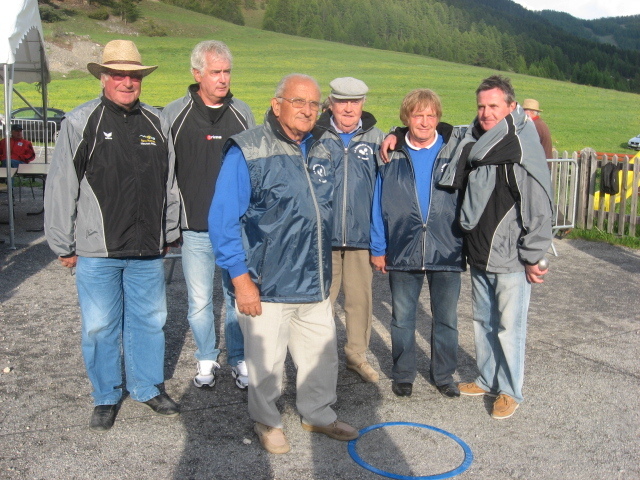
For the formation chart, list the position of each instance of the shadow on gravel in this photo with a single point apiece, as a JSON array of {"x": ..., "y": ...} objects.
[
  {"x": 619, "y": 256},
  {"x": 17, "y": 266}
]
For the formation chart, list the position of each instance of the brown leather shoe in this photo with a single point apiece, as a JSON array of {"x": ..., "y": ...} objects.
[
  {"x": 271, "y": 438},
  {"x": 366, "y": 372},
  {"x": 473, "y": 389},
  {"x": 337, "y": 430},
  {"x": 503, "y": 407}
]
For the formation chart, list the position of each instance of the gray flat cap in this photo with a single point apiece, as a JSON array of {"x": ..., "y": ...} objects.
[{"x": 348, "y": 87}]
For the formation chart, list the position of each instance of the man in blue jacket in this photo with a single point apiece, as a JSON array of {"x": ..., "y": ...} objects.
[
  {"x": 415, "y": 235},
  {"x": 270, "y": 225},
  {"x": 353, "y": 139}
]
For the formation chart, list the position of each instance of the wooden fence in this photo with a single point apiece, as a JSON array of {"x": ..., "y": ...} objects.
[{"x": 616, "y": 214}]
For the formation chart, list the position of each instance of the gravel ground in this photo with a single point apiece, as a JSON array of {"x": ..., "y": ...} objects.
[{"x": 580, "y": 419}]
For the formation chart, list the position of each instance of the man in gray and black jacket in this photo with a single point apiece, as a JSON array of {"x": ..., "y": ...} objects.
[
  {"x": 201, "y": 122},
  {"x": 111, "y": 210}
]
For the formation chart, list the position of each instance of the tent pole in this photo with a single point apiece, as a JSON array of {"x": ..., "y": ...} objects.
[
  {"x": 8, "y": 86},
  {"x": 45, "y": 105}
]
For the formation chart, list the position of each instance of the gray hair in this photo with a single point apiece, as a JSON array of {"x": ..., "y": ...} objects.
[
  {"x": 282, "y": 85},
  {"x": 218, "y": 49},
  {"x": 501, "y": 83}
]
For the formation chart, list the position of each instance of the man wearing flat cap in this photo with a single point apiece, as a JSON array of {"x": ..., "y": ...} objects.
[
  {"x": 532, "y": 108},
  {"x": 111, "y": 210},
  {"x": 353, "y": 139}
]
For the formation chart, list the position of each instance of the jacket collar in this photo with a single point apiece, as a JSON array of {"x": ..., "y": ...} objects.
[
  {"x": 114, "y": 107},
  {"x": 271, "y": 119},
  {"x": 324, "y": 122}
]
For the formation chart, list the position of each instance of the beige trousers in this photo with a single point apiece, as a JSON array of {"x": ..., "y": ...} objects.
[
  {"x": 353, "y": 272},
  {"x": 309, "y": 332}
]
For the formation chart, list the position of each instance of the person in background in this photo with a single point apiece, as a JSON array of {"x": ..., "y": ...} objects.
[
  {"x": 111, "y": 210},
  {"x": 201, "y": 122},
  {"x": 353, "y": 139},
  {"x": 21, "y": 149},
  {"x": 532, "y": 108}
]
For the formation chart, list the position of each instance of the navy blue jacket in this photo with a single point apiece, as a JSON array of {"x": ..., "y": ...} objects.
[
  {"x": 411, "y": 243},
  {"x": 280, "y": 230},
  {"x": 355, "y": 177}
]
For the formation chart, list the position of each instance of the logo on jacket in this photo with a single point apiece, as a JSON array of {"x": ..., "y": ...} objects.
[
  {"x": 108, "y": 135},
  {"x": 319, "y": 171},
  {"x": 363, "y": 152},
  {"x": 213, "y": 137},
  {"x": 147, "y": 140}
]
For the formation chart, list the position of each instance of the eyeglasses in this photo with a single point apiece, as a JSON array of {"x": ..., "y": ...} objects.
[
  {"x": 301, "y": 103},
  {"x": 120, "y": 76}
]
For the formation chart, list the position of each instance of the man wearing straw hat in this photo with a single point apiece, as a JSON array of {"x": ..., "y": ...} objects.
[
  {"x": 111, "y": 210},
  {"x": 532, "y": 108}
]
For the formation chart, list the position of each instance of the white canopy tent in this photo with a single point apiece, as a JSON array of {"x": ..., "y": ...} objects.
[{"x": 22, "y": 59}]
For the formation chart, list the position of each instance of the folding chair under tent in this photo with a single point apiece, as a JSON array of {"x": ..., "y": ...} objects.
[{"x": 22, "y": 59}]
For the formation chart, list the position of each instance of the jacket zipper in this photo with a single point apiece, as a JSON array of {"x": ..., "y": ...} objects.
[{"x": 318, "y": 217}]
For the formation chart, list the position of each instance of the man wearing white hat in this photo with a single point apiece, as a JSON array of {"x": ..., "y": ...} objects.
[
  {"x": 532, "y": 108},
  {"x": 111, "y": 210},
  {"x": 353, "y": 139}
]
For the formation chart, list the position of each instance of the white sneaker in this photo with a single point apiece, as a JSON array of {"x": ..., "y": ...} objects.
[
  {"x": 206, "y": 376},
  {"x": 241, "y": 375}
]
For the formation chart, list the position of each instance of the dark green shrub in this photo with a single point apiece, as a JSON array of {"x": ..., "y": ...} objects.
[{"x": 99, "y": 14}]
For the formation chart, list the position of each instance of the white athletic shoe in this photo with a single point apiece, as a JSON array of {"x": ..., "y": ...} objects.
[
  {"x": 240, "y": 373},
  {"x": 206, "y": 376}
]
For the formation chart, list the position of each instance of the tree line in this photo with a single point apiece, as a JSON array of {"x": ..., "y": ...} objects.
[{"x": 496, "y": 34}]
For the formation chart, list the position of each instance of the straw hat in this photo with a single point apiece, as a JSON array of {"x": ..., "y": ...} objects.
[
  {"x": 122, "y": 56},
  {"x": 531, "y": 104}
]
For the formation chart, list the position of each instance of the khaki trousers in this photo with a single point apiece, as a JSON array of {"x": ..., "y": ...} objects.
[
  {"x": 352, "y": 270},
  {"x": 309, "y": 332}
]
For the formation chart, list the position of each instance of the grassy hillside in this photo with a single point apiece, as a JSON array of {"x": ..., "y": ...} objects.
[{"x": 578, "y": 116}]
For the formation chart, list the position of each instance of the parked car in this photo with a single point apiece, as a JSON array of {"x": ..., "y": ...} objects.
[
  {"x": 634, "y": 142},
  {"x": 31, "y": 121}
]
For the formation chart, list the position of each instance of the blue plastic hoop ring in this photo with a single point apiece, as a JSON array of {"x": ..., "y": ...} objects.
[{"x": 466, "y": 463}]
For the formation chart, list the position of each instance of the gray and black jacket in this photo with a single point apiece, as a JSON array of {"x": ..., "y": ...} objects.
[
  {"x": 355, "y": 178},
  {"x": 111, "y": 189},
  {"x": 413, "y": 244},
  {"x": 199, "y": 133},
  {"x": 508, "y": 208}
]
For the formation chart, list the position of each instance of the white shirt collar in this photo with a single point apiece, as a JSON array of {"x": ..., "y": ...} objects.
[{"x": 413, "y": 147}]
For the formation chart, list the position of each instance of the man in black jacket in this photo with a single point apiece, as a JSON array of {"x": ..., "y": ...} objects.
[
  {"x": 201, "y": 122},
  {"x": 111, "y": 209}
]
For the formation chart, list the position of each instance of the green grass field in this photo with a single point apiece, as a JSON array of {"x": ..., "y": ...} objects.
[{"x": 578, "y": 116}]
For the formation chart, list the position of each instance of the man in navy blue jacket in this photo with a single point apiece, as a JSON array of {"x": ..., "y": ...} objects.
[
  {"x": 270, "y": 225},
  {"x": 415, "y": 235}
]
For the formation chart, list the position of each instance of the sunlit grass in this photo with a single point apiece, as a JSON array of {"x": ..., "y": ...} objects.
[{"x": 578, "y": 116}]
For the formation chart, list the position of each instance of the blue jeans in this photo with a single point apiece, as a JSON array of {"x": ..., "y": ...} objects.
[
  {"x": 124, "y": 308},
  {"x": 14, "y": 163},
  {"x": 198, "y": 266},
  {"x": 444, "y": 290},
  {"x": 500, "y": 303}
]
